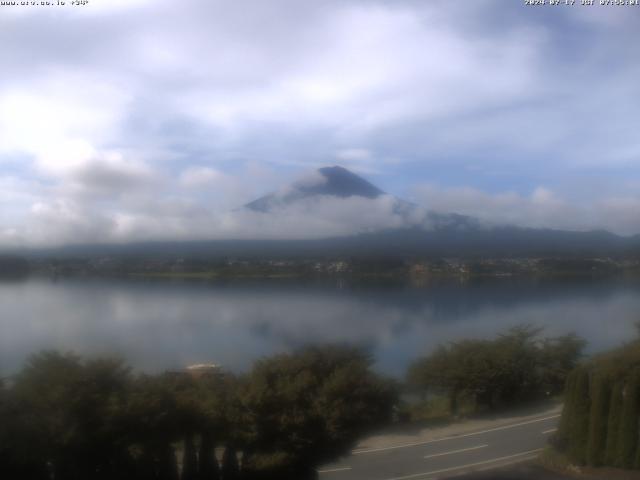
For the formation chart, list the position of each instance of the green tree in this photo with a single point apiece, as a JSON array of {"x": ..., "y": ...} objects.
[
  {"x": 21, "y": 453},
  {"x": 579, "y": 420},
  {"x": 155, "y": 417},
  {"x": 600, "y": 396},
  {"x": 309, "y": 407},
  {"x": 628, "y": 429},
  {"x": 68, "y": 418},
  {"x": 439, "y": 373},
  {"x": 613, "y": 424},
  {"x": 518, "y": 361},
  {"x": 73, "y": 410},
  {"x": 515, "y": 367},
  {"x": 558, "y": 357}
]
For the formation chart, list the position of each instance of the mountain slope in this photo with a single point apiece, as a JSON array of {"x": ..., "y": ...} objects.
[
  {"x": 335, "y": 183},
  {"x": 329, "y": 181}
]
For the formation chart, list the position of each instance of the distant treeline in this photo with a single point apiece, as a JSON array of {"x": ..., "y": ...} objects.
[
  {"x": 356, "y": 267},
  {"x": 66, "y": 418},
  {"x": 11, "y": 266},
  {"x": 600, "y": 423}
]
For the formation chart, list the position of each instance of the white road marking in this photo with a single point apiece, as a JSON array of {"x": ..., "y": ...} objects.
[
  {"x": 331, "y": 470},
  {"x": 551, "y": 430},
  {"x": 502, "y": 464},
  {"x": 455, "y": 451},
  {"x": 452, "y": 437},
  {"x": 471, "y": 465}
]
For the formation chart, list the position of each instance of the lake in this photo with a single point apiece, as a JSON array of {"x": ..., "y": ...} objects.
[{"x": 159, "y": 325}]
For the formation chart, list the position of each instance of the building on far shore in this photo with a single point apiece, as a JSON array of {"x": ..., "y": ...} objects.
[{"x": 199, "y": 370}]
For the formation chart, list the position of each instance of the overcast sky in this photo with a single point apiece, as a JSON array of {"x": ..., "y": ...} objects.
[{"x": 140, "y": 119}]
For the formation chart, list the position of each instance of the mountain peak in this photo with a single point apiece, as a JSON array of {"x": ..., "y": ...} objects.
[
  {"x": 344, "y": 183},
  {"x": 333, "y": 181}
]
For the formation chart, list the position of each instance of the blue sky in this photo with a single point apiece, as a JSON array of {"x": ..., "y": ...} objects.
[{"x": 140, "y": 119}]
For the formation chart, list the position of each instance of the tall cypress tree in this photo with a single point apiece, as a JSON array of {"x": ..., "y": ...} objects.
[
  {"x": 613, "y": 422},
  {"x": 600, "y": 397},
  {"x": 628, "y": 436},
  {"x": 564, "y": 428},
  {"x": 579, "y": 421},
  {"x": 636, "y": 462}
]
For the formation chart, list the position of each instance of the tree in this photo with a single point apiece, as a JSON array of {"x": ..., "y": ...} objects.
[
  {"x": 69, "y": 419},
  {"x": 439, "y": 372},
  {"x": 600, "y": 395},
  {"x": 153, "y": 423},
  {"x": 602, "y": 404},
  {"x": 628, "y": 429},
  {"x": 472, "y": 368},
  {"x": 512, "y": 368},
  {"x": 189, "y": 460},
  {"x": 579, "y": 420},
  {"x": 72, "y": 410},
  {"x": 309, "y": 407},
  {"x": 558, "y": 357},
  {"x": 21, "y": 455},
  {"x": 167, "y": 466},
  {"x": 207, "y": 462},
  {"x": 613, "y": 423},
  {"x": 230, "y": 469}
]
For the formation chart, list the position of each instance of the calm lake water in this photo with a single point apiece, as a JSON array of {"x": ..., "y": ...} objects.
[{"x": 158, "y": 325}]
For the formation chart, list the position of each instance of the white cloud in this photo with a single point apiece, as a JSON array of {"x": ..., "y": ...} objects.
[
  {"x": 541, "y": 209},
  {"x": 200, "y": 177},
  {"x": 61, "y": 122},
  {"x": 111, "y": 176},
  {"x": 63, "y": 222},
  {"x": 200, "y": 106},
  {"x": 354, "y": 154},
  {"x": 318, "y": 217}
]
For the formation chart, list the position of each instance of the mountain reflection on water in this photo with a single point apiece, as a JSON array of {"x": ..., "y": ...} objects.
[{"x": 157, "y": 325}]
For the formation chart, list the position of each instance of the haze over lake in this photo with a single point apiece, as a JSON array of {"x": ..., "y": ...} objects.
[{"x": 159, "y": 325}]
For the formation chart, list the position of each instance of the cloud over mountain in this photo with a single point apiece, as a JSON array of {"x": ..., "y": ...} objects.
[{"x": 148, "y": 113}]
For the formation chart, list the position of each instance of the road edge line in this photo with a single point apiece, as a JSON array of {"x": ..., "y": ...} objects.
[{"x": 452, "y": 437}]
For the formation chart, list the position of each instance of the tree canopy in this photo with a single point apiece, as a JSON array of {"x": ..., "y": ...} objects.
[
  {"x": 69, "y": 418},
  {"x": 517, "y": 365}
]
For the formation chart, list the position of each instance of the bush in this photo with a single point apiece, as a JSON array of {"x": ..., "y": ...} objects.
[{"x": 310, "y": 407}]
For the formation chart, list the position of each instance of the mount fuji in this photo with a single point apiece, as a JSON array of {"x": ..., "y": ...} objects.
[
  {"x": 337, "y": 183},
  {"x": 404, "y": 228},
  {"x": 333, "y": 181},
  {"x": 334, "y": 212}
]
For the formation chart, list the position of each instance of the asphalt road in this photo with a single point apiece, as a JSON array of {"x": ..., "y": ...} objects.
[{"x": 448, "y": 456}]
